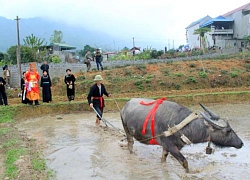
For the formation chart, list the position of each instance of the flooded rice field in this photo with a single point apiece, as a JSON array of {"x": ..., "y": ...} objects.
[{"x": 77, "y": 149}]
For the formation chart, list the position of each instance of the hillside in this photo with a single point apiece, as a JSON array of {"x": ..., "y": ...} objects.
[
  {"x": 44, "y": 28},
  {"x": 160, "y": 79}
]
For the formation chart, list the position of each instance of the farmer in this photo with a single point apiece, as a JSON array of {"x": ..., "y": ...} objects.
[{"x": 95, "y": 98}]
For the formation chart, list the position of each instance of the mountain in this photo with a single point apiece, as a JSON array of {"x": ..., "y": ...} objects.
[{"x": 44, "y": 28}]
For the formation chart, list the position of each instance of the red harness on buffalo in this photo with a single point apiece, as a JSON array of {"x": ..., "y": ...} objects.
[{"x": 151, "y": 115}]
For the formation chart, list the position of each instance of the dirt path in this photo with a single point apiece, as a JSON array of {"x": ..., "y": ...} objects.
[{"x": 77, "y": 149}]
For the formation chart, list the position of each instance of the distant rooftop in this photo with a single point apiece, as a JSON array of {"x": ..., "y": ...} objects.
[
  {"x": 241, "y": 8},
  {"x": 217, "y": 19},
  {"x": 62, "y": 46},
  {"x": 198, "y": 21}
]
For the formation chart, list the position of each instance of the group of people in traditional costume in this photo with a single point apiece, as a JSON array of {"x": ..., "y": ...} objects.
[
  {"x": 31, "y": 94},
  {"x": 30, "y": 86}
]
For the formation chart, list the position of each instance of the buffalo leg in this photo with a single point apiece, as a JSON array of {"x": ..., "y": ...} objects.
[
  {"x": 129, "y": 137},
  {"x": 164, "y": 155},
  {"x": 177, "y": 154},
  {"x": 130, "y": 143}
]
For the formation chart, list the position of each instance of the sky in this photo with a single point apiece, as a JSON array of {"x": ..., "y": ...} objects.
[{"x": 158, "y": 22}]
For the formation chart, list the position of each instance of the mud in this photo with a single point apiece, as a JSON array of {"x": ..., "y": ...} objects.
[{"x": 77, "y": 149}]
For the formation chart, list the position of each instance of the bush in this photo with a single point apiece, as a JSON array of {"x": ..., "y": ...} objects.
[
  {"x": 202, "y": 74},
  {"x": 191, "y": 79},
  {"x": 55, "y": 59},
  {"x": 138, "y": 83},
  {"x": 234, "y": 74},
  {"x": 177, "y": 86},
  {"x": 80, "y": 78}
]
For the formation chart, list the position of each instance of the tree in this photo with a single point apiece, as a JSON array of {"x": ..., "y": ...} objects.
[
  {"x": 56, "y": 37},
  {"x": 86, "y": 49},
  {"x": 33, "y": 41},
  {"x": 32, "y": 45},
  {"x": 247, "y": 40},
  {"x": 25, "y": 52},
  {"x": 201, "y": 32}
]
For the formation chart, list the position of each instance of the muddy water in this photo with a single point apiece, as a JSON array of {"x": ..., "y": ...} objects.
[{"x": 77, "y": 149}]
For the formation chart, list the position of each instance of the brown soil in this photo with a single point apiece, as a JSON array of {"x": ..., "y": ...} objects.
[{"x": 161, "y": 79}]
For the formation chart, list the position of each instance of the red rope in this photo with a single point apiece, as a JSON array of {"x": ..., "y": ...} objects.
[{"x": 151, "y": 115}]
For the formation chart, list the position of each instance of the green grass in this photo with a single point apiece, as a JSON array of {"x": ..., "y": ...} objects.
[
  {"x": 4, "y": 131},
  {"x": 12, "y": 147},
  {"x": 7, "y": 114},
  {"x": 13, "y": 155},
  {"x": 10, "y": 143},
  {"x": 38, "y": 163}
]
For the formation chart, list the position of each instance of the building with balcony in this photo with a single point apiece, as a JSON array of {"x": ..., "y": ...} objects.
[{"x": 227, "y": 30}]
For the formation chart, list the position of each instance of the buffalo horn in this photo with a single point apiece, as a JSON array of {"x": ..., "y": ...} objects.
[
  {"x": 213, "y": 123},
  {"x": 212, "y": 115}
]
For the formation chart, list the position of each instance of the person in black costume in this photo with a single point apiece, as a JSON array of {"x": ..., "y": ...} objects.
[
  {"x": 2, "y": 91},
  {"x": 45, "y": 66},
  {"x": 95, "y": 98},
  {"x": 98, "y": 59},
  {"x": 46, "y": 87},
  {"x": 69, "y": 80},
  {"x": 24, "y": 99}
]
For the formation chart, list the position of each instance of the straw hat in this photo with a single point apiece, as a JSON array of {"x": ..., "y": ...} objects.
[{"x": 98, "y": 78}]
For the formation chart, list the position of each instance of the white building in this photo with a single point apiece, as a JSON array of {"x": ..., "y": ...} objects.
[{"x": 227, "y": 30}]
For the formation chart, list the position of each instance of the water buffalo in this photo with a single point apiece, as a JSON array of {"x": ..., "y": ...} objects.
[{"x": 207, "y": 127}]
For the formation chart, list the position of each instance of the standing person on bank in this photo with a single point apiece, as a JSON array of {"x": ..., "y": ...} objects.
[
  {"x": 95, "y": 97},
  {"x": 69, "y": 80},
  {"x": 32, "y": 78},
  {"x": 87, "y": 60},
  {"x": 98, "y": 59},
  {"x": 46, "y": 87},
  {"x": 45, "y": 66},
  {"x": 3, "y": 92},
  {"x": 6, "y": 75}
]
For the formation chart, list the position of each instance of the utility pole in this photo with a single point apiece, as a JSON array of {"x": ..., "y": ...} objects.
[
  {"x": 18, "y": 50},
  {"x": 133, "y": 46}
]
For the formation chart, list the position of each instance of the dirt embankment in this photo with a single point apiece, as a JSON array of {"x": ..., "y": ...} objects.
[{"x": 159, "y": 79}]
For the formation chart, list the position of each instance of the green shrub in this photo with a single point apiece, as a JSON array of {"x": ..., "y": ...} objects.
[
  {"x": 55, "y": 59},
  {"x": 138, "y": 83},
  {"x": 80, "y": 78},
  {"x": 147, "y": 81},
  {"x": 177, "y": 86},
  {"x": 190, "y": 79},
  {"x": 178, "y": 74},
  {"x": 234, "y": 74},
  {"x": 149, "y": 76},
  {"x": 202, "y": 74}
]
